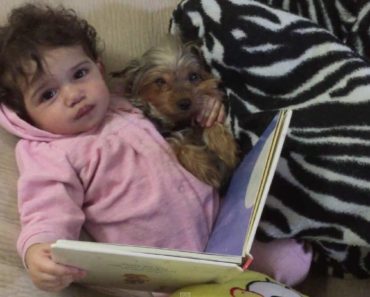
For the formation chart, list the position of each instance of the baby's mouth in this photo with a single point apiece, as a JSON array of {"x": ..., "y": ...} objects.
[{"x": 84, "y": 111}]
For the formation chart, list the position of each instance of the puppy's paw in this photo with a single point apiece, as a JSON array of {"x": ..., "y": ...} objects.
[
  {"x": 220, "y": 140},
  {"x": 199, "y": 161}
]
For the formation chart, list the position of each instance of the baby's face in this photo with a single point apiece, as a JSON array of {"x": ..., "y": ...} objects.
[{"x": 71, "y": 95}]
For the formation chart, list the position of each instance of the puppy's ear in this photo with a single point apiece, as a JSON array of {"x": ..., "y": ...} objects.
[
  {"x": 128, "y": 77},
  {"x": 194, "y": 48}
]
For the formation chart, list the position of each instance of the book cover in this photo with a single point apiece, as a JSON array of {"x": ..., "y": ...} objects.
[{"x": 227, "y": 252}]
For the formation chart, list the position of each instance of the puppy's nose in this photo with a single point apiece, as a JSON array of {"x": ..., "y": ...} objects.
[{"x": 184, "y": 103}]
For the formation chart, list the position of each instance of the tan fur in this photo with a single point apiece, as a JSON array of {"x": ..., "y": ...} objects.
[{"x": 169, "y": 83}]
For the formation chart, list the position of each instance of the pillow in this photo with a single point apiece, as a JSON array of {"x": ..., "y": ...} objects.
[
  {"x": 269, "y": 59},
  {"x": 248, "y": 284}
]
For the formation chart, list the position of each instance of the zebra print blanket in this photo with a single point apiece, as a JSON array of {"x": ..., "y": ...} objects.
[
  {"x": 349, "y": 20},
  {"x": 270, "y": 59}
]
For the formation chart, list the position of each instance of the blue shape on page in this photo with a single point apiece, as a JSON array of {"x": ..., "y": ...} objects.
[{"x": 232, "y": 221}]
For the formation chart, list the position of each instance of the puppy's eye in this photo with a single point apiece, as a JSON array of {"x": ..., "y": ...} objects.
[
  {"x": 160, "y": 82},
  {"x": 194, "y": 77}
]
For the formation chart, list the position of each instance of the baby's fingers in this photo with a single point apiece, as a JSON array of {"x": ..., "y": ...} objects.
[
  {"x": 222, "y": 114},
  {"x": 59, "y": 277},
  {"x": 55, "y": 283},
  {"x": 60, "y": 269},
  {"x": 210, "y": 112},
  {"x": 205, "y": 111},
  {"x": 217, "y": 114}
]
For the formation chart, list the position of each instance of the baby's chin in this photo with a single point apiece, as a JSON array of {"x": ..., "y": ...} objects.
[{"x": 75, "y": 130}]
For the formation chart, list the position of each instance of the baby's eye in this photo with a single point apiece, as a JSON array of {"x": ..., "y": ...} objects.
[
  {"x": 48, "y": 95},
  {"x": 80, "y": 73},
  {"x": 160, "y": 82},
  {"x": 194, "y": 77}
]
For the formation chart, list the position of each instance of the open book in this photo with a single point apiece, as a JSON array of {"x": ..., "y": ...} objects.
[{"x": 228, "y": 250}]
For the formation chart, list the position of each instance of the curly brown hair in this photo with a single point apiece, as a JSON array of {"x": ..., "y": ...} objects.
[{"x": 30, "y": 28}]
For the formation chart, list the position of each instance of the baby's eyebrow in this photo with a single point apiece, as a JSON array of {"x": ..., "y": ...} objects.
[{"x": 78, "y": 65}]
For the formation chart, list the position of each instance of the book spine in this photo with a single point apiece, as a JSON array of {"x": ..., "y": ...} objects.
[{"x": 247, "y": 262}]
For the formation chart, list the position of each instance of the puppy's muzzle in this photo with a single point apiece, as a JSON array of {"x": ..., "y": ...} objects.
[{"x": 184, "y": 104}]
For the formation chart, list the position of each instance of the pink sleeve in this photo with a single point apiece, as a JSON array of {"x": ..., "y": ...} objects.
[{"x": 50, "y": 196}]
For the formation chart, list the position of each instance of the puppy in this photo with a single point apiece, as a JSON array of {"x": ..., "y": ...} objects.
[{"x": 169, "y": 83}]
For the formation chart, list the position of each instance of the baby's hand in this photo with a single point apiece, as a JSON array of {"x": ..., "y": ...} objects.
[
  {"x": 212, "y": 110},
  {"x": 45, "y": 273}
]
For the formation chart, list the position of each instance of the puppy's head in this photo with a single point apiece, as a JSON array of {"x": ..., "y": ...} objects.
[{"x": 172, "y": 79}]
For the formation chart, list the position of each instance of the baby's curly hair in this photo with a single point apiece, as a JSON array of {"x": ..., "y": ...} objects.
[{"x": 31, "y": 28}]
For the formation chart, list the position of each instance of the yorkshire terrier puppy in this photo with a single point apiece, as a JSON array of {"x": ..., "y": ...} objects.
[{"x": 169, "y": 83}]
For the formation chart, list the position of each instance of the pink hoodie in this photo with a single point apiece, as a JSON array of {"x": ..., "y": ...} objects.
[{"x": 121, "y": 182}]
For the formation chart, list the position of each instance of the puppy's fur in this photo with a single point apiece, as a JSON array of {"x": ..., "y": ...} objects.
[{"x": 170, "y": 83}]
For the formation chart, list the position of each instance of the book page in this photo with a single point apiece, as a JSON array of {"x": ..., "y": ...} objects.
[
  {"x": 244, "y": 194},
  {"x": 264, "y": 173},
  {"x": 120, "y": 248}
]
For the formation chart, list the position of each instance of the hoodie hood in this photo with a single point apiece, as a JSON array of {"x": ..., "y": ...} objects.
[{"x": 11, "y": 122}]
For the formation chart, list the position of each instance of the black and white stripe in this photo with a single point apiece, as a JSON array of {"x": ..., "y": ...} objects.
[
  {"x": 270, "y": 59},
  {"x": 349, "y": 20}
]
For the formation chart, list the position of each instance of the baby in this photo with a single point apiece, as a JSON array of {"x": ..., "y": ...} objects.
[{"x": 88, "y": 159}]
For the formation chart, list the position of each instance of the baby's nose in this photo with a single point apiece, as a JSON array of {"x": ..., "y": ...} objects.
[{"x": 73, "y": 97}]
